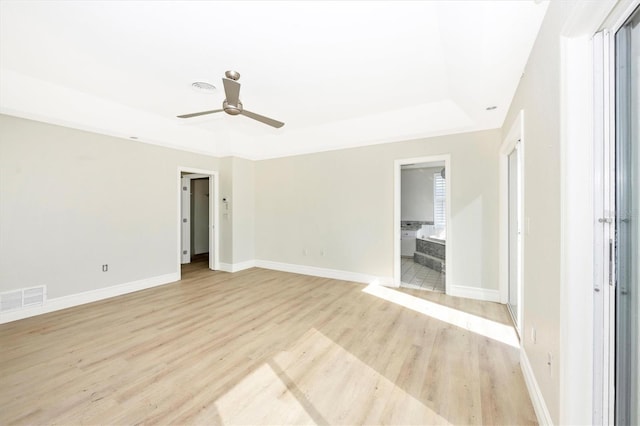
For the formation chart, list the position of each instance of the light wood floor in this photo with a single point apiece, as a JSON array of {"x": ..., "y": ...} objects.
[{"x": 260, "y": 347}]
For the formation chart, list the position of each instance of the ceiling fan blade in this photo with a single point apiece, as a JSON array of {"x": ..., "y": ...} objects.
[
  {"x": 232, "y": 91},
  {"x": 195, "y": 114},
  {"x": 261, "y": 118}
]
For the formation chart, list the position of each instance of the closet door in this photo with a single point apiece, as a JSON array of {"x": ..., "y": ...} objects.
[{"x": 514, "y": 235}]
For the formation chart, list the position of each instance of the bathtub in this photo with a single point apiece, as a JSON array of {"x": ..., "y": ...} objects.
[
  {"x": 433, "y": 233},
  {"x": 431, "y": 252},
  {"x": 435, "y": 239}
]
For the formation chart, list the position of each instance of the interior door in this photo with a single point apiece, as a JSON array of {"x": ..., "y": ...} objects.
[
  {"x": 185, "y": 214},
  {"x": 212, "y": 229},
  {"x": 513, "y": 183}
]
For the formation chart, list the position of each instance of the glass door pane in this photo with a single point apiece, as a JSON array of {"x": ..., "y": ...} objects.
[{"x": 627, "y": 220}]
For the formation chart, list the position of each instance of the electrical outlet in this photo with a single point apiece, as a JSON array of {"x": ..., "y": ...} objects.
[
  {"x": 305, "y": 252},
  {"x": 322, "y": 252}
]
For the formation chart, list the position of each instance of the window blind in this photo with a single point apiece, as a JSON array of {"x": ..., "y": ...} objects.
[{"x": 439, "y": 200}]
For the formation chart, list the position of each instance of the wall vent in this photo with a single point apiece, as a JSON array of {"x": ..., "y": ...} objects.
[{"x": 22, "y": 298}]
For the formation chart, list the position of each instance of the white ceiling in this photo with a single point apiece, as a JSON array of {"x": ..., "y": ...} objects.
[{"x": 339, "y": 74}]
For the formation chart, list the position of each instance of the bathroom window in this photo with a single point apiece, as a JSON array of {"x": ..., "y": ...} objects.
[{"x": 439, "y": 200}]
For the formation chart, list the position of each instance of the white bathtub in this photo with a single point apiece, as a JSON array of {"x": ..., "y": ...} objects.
[
  {"x": 437, "y": 234},
  {"x": 435, "y": 239}
]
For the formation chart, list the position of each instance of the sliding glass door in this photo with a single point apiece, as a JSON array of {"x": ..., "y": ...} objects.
[{"x": 627, "y": 238}]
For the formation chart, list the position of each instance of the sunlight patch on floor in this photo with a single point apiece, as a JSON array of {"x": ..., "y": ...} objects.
[
  {"x": 482, "y": 326},
  {"x": 298, "y": 386},
  {"x": 262, "y": 398}
]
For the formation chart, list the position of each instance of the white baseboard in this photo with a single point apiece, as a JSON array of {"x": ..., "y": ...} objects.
[
  {"x": 71, "y": 300},
  {"x": 64, "y": 302},
  {"x": 226, "y": 267},
  {"x": 539, "y": 406},
  {"x": 325, "y": 273},
  {"x": 236, "y": 267},
  {"x": 474, "y": 293}
]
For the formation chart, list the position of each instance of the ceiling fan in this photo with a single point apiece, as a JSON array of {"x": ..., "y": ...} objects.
[{"x": 232, "y": 104}]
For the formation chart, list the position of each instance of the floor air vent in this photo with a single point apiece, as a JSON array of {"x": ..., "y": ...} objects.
[{"x": 22, "y": 298}]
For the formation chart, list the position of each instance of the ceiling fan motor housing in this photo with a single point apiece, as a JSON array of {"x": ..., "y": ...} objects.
[
  {"x": 232, "y": 75},
  {"x": 231, "y": 109}
]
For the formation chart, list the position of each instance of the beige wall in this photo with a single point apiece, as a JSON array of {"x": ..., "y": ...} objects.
[
  {"x": 73, "y": 200},
  {"x": 538, "y": 94},
  {"x": 338, "y": 206},
  {"x": 237, "y": 213},
  {"x": 226, "y": 210},
  {"x": 243, "y": 204}
]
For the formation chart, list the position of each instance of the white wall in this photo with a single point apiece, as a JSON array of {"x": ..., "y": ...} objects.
[
  {"x": 73, "y": 200},
  {"x": 338, "y": 206},
  {"x": 417, "y": 194}
]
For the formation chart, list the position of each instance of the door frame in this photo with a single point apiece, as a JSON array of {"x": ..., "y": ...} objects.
[
  {"x": 397, "y": 191},
  {"x": 514, "y": 138},
  {"x": 214, "y": 237},
  {"x": 185, "y": 211},
  {"x": 194, "y": 220},
  {"x": 604, "y": 208}
]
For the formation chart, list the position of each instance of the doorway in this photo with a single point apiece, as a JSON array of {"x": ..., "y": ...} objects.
[
  {"x": 197, "y": 219},
  {"x": 422, "y": 223}
]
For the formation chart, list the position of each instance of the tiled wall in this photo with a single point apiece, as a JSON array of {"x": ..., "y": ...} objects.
[{"x": 413, "y": 224}]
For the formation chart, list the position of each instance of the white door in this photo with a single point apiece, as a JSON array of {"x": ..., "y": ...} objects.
[
  {"x": 185, "y": 214},
  {"x": 513, "y": 183},
  {"x": 211, "y": 211}
]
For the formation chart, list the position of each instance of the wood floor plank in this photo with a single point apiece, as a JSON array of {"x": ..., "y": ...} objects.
[{"x": 260, "y": 347}]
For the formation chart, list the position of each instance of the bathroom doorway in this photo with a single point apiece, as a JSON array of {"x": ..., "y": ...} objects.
[{"x": 421, "y": 222}]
